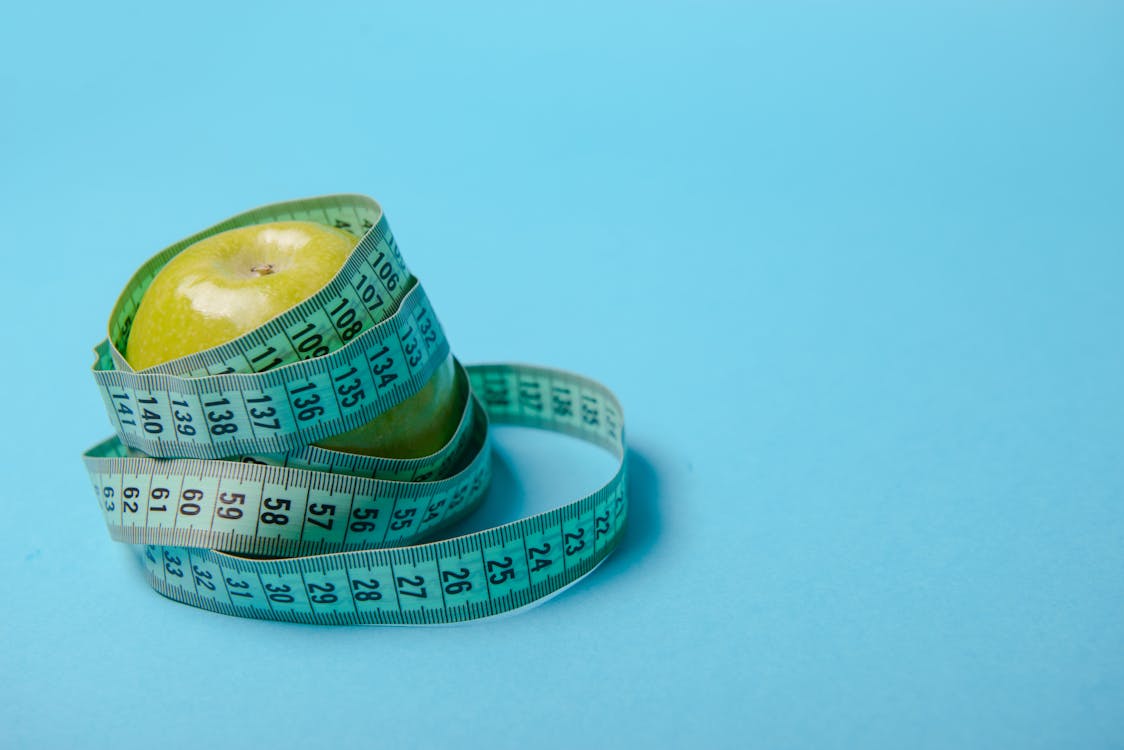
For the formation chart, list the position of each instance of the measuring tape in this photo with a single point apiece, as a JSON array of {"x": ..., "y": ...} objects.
[{"x": 213, "y": 476}]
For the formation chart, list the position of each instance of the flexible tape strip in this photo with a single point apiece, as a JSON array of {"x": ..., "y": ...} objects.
[
  {"x": 477, "y": 575},
  {"x": 452, "y": 481},
  {"x": 321, "y": 459},
  {"x": 258, "y": 509},
  {"x": 216, "y": 416},
  {"x": 440, "y": 464}
]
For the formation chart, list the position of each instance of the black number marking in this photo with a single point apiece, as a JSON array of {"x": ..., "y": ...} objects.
[
  {"x": 506, "y": 572},
  {"x": 203, "y": 578},
  {"x": 276, "y": 504},
  {"x": 189, "y": 505},
  {"x": 455, "y": 582},
  {"x": 403, "y": 518},
  {"x": 601, "y": 525},
  {"x": 279, "y": 593},
  {"x": 538, "y": 556},
  {"x": 365, "y": 591},
  {"x": 158, "y": 493},
  {"x": 360, "y": 525},
  {"x": 228, "y": 508},
  {"x": 322, "y": 593},
  {"x": 172, "y": 563},
  {"x": 575, "y": 537},
  {"x": 414, "y": 583},
  {"x": 322, "y": 509},
  {"x": 233, "y": 584}
]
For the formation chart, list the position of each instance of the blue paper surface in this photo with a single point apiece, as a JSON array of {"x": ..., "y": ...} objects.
[{"x": 855, "y": 270}]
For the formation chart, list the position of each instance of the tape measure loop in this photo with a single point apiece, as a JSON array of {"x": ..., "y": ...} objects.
[
  {"x": 392, "y": 360},
  {"x": 319, "y": 536}
]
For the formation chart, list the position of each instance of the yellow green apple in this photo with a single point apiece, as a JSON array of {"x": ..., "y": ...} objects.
[{"x": 230, "y": 283}]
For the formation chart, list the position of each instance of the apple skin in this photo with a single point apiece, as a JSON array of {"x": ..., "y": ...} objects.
[{"x": 230, "y": 283}]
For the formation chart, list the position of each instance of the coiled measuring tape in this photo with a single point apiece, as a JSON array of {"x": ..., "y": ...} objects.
[{"x": 213, "y": 476}]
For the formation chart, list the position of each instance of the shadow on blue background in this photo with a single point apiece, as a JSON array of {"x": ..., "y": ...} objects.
[{"x": 643, "y": 531}]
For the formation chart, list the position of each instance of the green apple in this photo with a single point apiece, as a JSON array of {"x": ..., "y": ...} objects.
[{"x": 230, "y": 283}]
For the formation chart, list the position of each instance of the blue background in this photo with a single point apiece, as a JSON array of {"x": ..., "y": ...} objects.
[{"x": 854, "y": 269}]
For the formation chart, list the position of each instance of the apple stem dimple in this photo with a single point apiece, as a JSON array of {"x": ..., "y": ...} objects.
[{"x": 263, "y": 269}]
